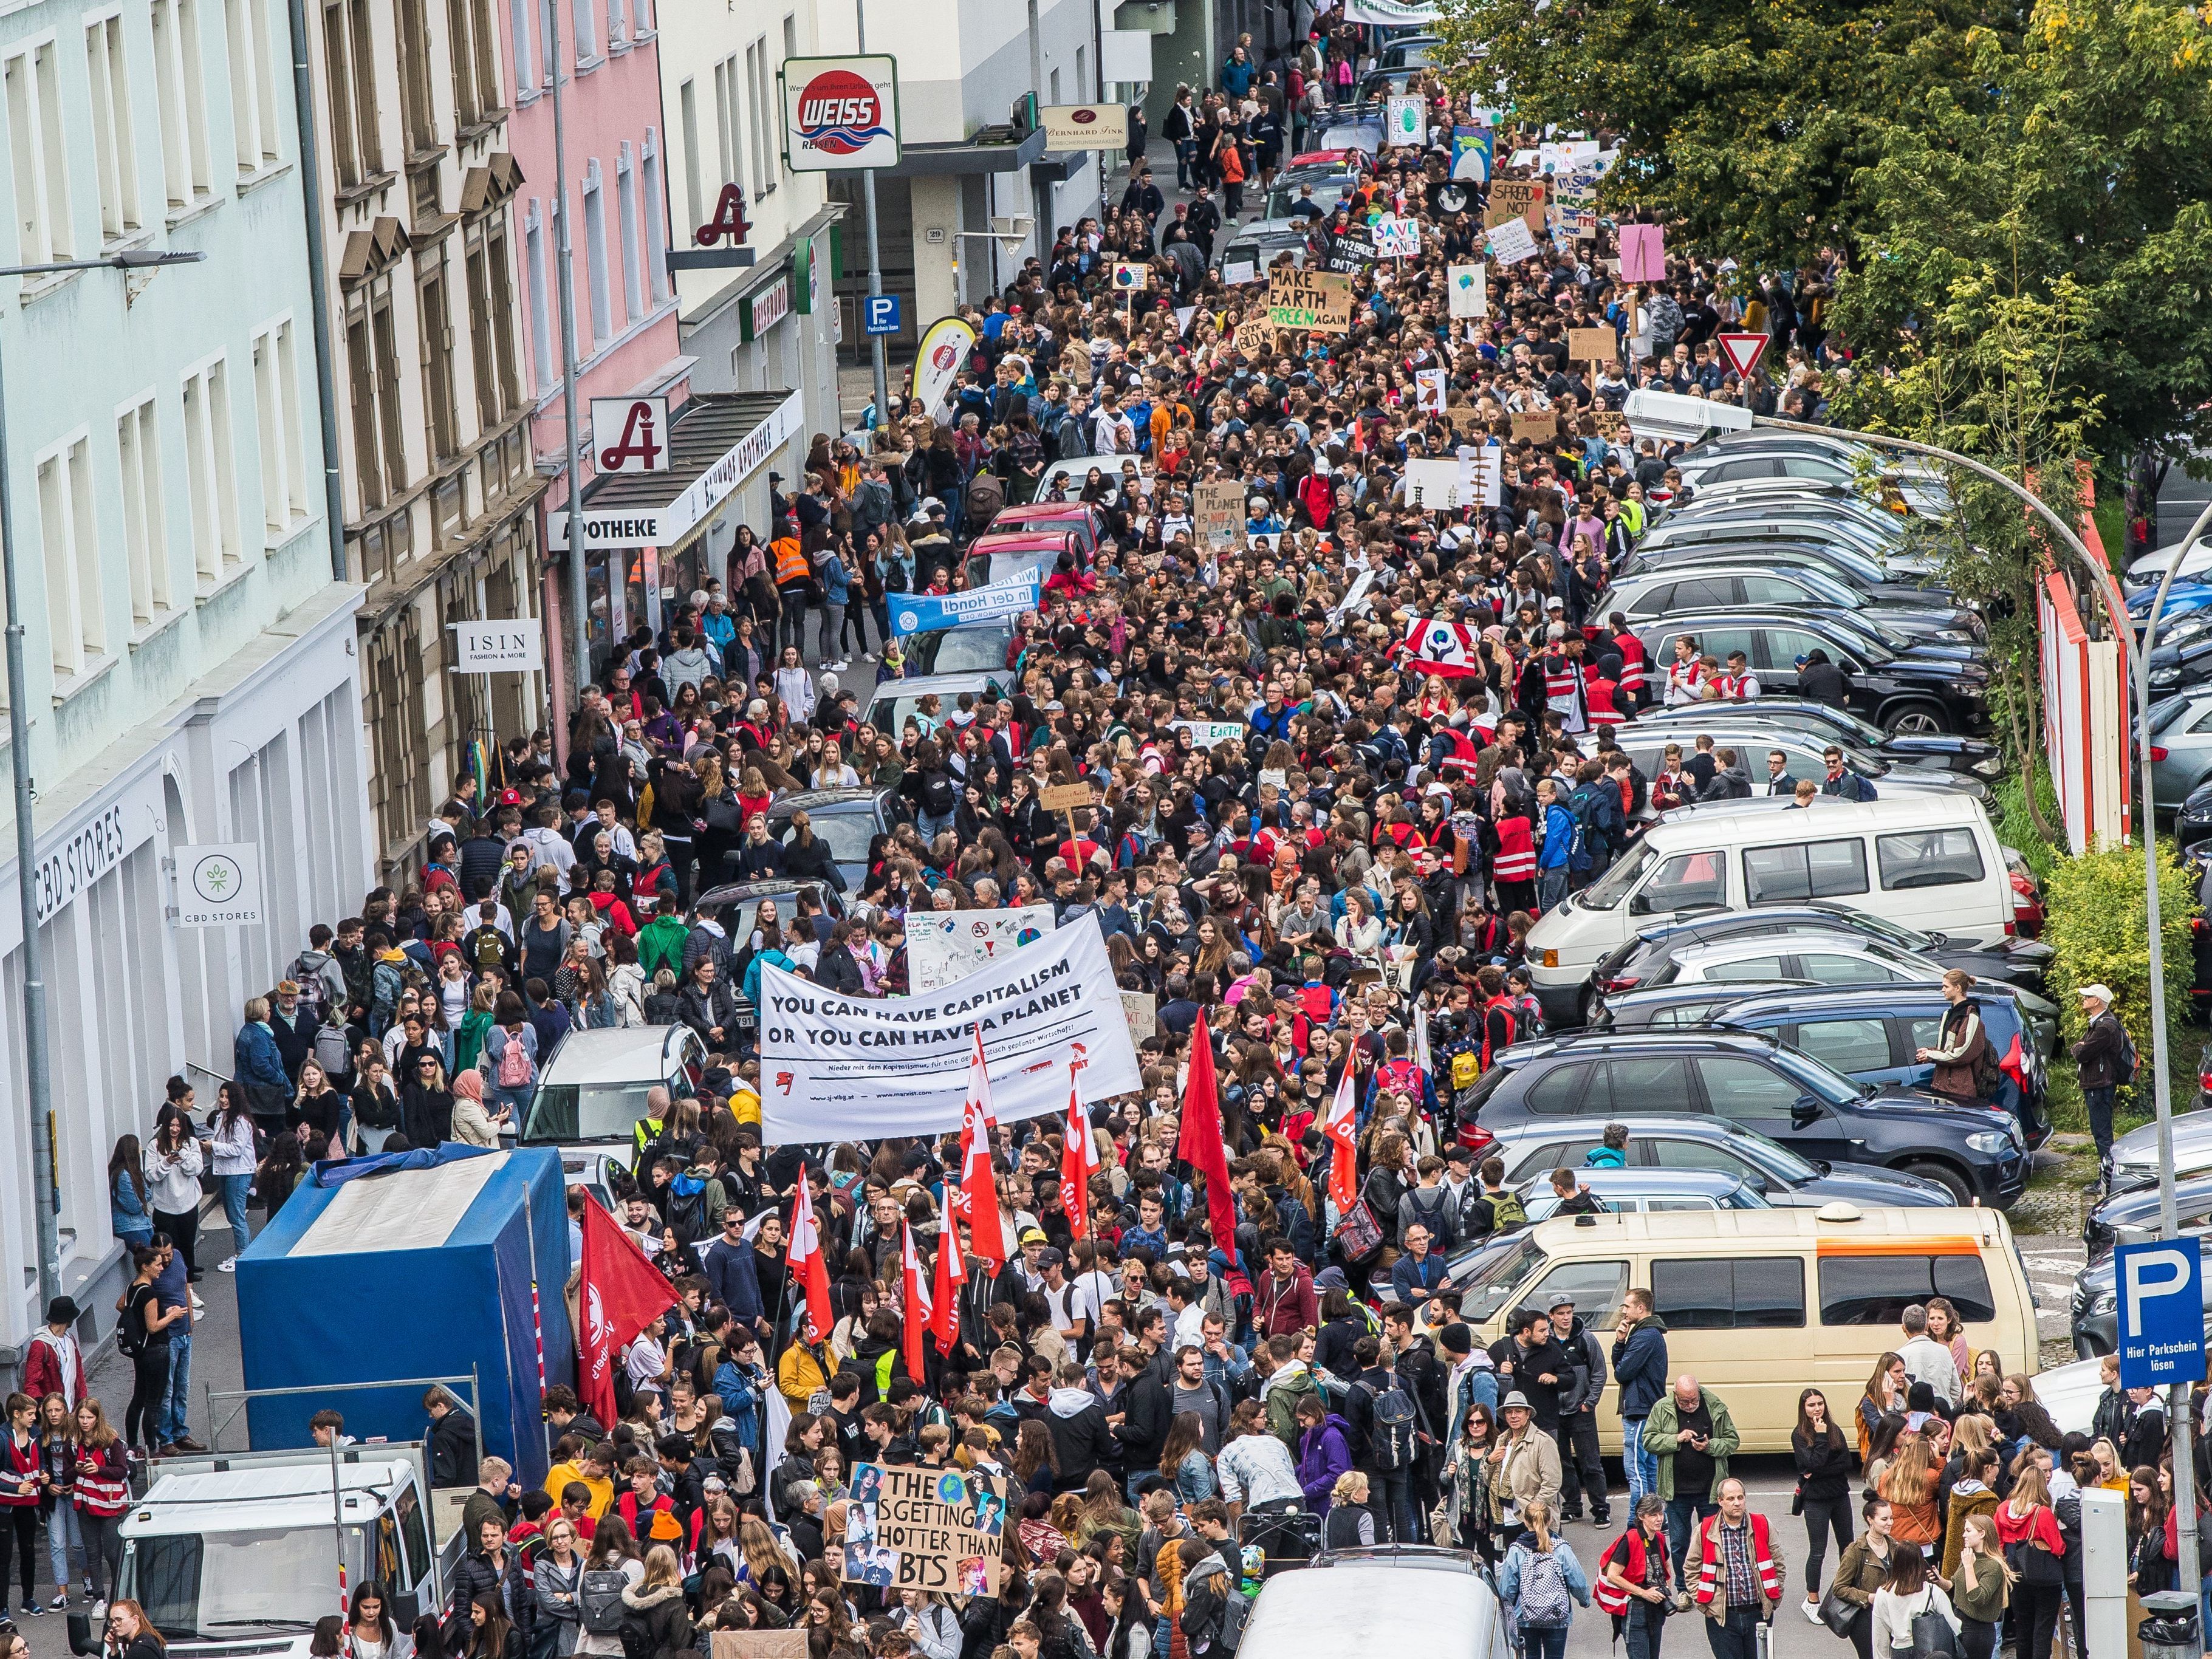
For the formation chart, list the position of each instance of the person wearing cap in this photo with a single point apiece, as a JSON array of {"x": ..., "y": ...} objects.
[
  {"x": 1582, "y": 1469},
  {"x": 1524, "y": 1468},
  {"x": 2101, "y": 1054}
]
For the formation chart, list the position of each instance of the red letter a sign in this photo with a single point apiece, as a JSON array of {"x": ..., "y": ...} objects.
[{"x": 729, "y": 221}]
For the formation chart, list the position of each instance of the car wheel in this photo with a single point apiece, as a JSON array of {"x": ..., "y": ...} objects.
[
  {"x": 1944, "y": 1177},
  {"x": 1917, "y": 719}
]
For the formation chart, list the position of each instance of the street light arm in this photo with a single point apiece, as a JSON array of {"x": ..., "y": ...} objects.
[{"x": 129, "y": 259}]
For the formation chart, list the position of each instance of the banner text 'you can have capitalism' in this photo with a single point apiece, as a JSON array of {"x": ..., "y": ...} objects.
[{"x": 836, "y": 1067}]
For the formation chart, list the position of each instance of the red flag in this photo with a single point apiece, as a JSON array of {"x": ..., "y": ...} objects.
[
  {"x": 1341, "y": 1129},
  {"x": 808, "y": 1264},
  {"x": 1199, "y": 1144},
  {"x": 618, "y": 1294},
  {"x": 1078, "y": 1162},
  {"x": 979, "y": 1131},
  {"x": 944, "y": 1296},
  {"x": 914, "y": 1292}
]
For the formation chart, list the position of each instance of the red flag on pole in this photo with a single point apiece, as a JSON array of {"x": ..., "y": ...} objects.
[
  {"x": 619, "y": 1292},
  {"x": 914, "y": 1292},
  {"x": 1200, "y": 1144},
  {"x": 809, "y": 1267},
  {"x": 944, "y": 1296},
  {"x": 979, "y": 1132},
  {"x": 1078, "y": 1162},
  {"x": 1341, "y": 1130}
]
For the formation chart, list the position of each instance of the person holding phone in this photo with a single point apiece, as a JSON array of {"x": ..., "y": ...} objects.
[{"x": 1693, "y": 1436}]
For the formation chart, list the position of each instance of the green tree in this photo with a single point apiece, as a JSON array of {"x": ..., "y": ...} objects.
[{"x": 1747, "y": 128}]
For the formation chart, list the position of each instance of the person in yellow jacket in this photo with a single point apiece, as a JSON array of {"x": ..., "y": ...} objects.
[
  {"x": 802, "y": 1373},
  {"x": 594, "y": 1468}
]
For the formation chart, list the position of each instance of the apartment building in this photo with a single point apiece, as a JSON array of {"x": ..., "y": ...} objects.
[
  {"x": 192, "y": 667},
  {"x": 434, "y": 421},
  {"x": 624, "y": 302}
]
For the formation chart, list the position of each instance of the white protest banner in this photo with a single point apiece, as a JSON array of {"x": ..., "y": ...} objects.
[
  {"x": 1206, "y": 733},
  {"x": 1434, "y": 486},
  {"x": 1482, "y": 475},
  {"x": 1429, "y": 391},
  {"x": 916, "y": 613},
  {"x": 1241, "y": 271},
  {"x": 1468, "y": 291},
  {"x": 1398, "y": 239},
  {"x": 933, "y": 1530},
  {"x": 1512, "y": 241},
  {"x": 1182, "y": 316},
  {"x": 843, "y": 1068},
  {"x": 1354, "y": 596},
  {"x": 1405, "y": 122},
  {"x": 943, "y": 946}
]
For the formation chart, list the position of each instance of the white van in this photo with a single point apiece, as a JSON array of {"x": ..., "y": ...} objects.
[{"x": 1932, "y": 862}]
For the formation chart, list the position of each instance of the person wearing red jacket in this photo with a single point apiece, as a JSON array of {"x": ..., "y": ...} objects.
[
  {"x": 54, "y": 1364},
  {"x": 1283, "y": 1303}
]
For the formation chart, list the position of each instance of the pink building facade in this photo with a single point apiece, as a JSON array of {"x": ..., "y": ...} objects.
[{"x": 625, "y": 304}]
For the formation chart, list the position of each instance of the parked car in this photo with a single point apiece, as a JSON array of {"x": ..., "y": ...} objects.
[
  {"x": 1062, "y": 482},
  {"x": 2192, "y": 819},
  {"x": 1668, "y": 1006},
  {"x": 2196, "y": 562},
  {"x": 2180, "y": 735},
  {"x": 2181, "y": 657},
  {"x": 1739, "y": 726},
  {"x": 1834, "y": 555},
  {"x": 1714, "y": 1144},
  {"x": 2124, "y": 1216},
  {"x": 592, "y": 1091},
  {"x": 1010, "y": 555},
  {"x": 847, "y": 820},
  {"x": 1726, "y": 584},
  {"x": 1398, "y": 1599},
  {"x": 1730, "y": 527},
  {"x": 1046, "y": 515},
  {"x": 1634, "y": 965},
  {"x": 2095, "y": 1311},
  {"x": 2183, "y": 599},
  {"x": 1948, "y": 750},
  {"x": 970, "y": 648},
  {"x": 1975, "y": 1152},
  {"x": 1645, "y": 1189},
  {"x": 895, "y": 700},
  {"x": 2136, "y": 1160},
  {"x": 1898, "y": 692},
  {"x": 1871, "y": 1033}
]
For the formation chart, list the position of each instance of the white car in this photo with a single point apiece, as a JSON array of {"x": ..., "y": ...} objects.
[
  {"x": 592, "y": 1093},
  {"x": 1379, "y": 1604}
]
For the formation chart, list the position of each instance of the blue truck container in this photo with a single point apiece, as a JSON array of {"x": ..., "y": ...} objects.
[{"x": 430, "y": 1263}]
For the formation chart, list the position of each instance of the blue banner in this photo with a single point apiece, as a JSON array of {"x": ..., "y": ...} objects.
[{"x": 918, "y": 613}]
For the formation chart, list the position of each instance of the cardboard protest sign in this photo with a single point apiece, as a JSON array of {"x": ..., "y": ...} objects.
[
  {"x": 1429, "y": 391},
  {"x": 943, "y": 946},
  {"x": 1143, "y": 1009},
  {"x": 1254, "y": 334},
  {"x": 1313, "y": 300},
  {"x": 938, "y": 1530},
  {"x": 1130, "y": 277},
  {"x": 1405, "y": 121},
  {"x": 1592, "y": 345},
  {"x": 1352, "y": 250},
  {"x": 1612, "y": 425},
  {"x": 1517, "y": 198},
  {"x": 759, "y": 1644},
  {"x": 1217, "y": 511},
  {"x": 1512, "y": 242},
  {"x": 1541, "y": 428},
  {"x": 1643, "y": 253},
  {"x": 1468, "y": 291}
]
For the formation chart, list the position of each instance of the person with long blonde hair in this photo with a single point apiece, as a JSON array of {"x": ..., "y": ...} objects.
[
  {"x": 1908, "y": 1485},
  {"x": 1980, "y": 1588},
  {"x": 2028, "y": 1531}
]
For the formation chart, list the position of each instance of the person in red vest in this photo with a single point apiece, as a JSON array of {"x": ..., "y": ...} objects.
[
  {"x": 1514, "y": 870},
  {"x": 1601, "y": 689},
  {"x": 1631, "y": 1578},
  {"x": 1633, "y": 662},
  {"x": 1736, "y": 1603}
]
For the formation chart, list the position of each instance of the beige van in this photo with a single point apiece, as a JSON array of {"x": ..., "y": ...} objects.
[{"x": 1761, "y": 1304}]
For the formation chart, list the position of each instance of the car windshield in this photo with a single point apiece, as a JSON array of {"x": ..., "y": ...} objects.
[
  {"x": 1832, "y": 1086},
  {"x": 847, "y": 835},
  {"x": 1608, "y": 890},
  {"x": 585, "y": 1111},
  {"x": 201, "y": 1584},
  {"x": 1283, "y": 197},
  {"x": 959, "y": 650},
  {"x": 1493, "y": 1283},
  {"x": 1891, "y": 932},
  {"x": 1777, "y": 1160}
]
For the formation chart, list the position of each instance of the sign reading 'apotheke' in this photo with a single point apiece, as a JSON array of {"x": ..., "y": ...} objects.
[{"x": 650, "y": 527}]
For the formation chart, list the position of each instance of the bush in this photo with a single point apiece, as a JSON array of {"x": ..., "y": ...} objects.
[{"x": 2097, "y": 926}]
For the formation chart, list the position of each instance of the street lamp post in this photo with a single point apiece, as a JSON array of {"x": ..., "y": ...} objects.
[
  {"x": 44, "y": 1194},
  {"x": 2178, "y": 1404}
]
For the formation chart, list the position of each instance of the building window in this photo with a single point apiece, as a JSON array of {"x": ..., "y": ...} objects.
[
  {"x": 180, "y": 95},
  {"x": 729, "y": 121},
  {"x": 765, "y": 123},
  {"x": 687, "y": 112},
  {"x": 476, "y": 73},
  {"x": 71, "y": 541},
  {"x": 350, "y": 46},
  {"x": 1053, "y": 83},
  {"x": 34, "y": 138},
  {"x": 790, "y": 35},
  {"x": 541, "y": 312},
  {"x": 277, "y": 411},
  {"x": 595, "y": 260},
  {"x": 254, "y": 112},
  {"x": 115, "y": 156},
  {"x": 525, "y": 54},
  {"x": 491, "y": 305},
  {"x": 626, "y": 205},
  {"x": 145, "y": 534},
  {"x": 656, "y": 246},
  {"x": 435, "y": 323},
  {"x": 587, "y": 36},
  {"x": 1082, "y": 91},
  {"x": 618, "y": 24},
  {"x": 211, "y": 466},
  {"x": 416, "y": 107},
  {"x": 373, "y": 376}
]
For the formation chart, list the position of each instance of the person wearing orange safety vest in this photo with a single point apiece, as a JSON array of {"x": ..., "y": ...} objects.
[
  {"x": 794, "y": 585},
  {"x": 1738, "y": 1572}
]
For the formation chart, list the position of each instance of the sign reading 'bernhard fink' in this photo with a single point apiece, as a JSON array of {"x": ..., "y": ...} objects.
[{"x": 840, "y": 114}]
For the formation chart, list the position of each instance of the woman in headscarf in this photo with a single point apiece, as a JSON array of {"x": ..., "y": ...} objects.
[{"x": 473, "y": 1124}]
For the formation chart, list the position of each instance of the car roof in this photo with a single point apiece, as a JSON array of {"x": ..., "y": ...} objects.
[
  {"x": 1666, "y": 996},
  {"x": 973, "y": 680},
  {"x": 1752, "y": 944},
  {"x": 1828, "y": 1221},
  {"x": 1756, "y": 615},
  {"x": 823, "y": 800},
  {"x": 621, "y": 1053},
  {"x": 1354, "y": 1606},
  {"x": 1664, "y": 1039},
  {"x": 1842, "y": 999},
  {"x": 1019, "y": 541},
  {"x": 1639, "y": 1179},
  {"x": 752, "y": 892},
  {"x": 1721, "y": 922},
  {"x": 1049, "y": 509},
  {"x": 1594, "y": 1127}
]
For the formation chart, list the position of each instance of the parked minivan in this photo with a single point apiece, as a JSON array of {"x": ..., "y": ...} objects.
[
  {"x": 1933, "y": 863},
  {"x": 1761, "y": 1303}
]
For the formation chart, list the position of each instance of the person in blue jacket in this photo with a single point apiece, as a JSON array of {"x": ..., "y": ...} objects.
[
  {"x": 258, "y": 1068},
  {"x": 1639, "y": 1366},
  {"x": 131, "y": 1213},
  {"x": 1557, "y": 847}
]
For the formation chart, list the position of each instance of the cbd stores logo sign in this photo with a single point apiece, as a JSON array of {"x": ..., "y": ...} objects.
[{"x": 840, "y": 114}]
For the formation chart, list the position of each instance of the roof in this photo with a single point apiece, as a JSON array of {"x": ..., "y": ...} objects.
[
  {"x": 1019, "y": 541},
  {"x": 401, "y": 1209},
  {"x": 943, "y": 685},
  {"x": 706, "y": 435},
  {"x": 1835, "y": 811},
  {"x": 1638, "y": 1180},
  {"x": 1947, "y": 1225},
  {"x": 278, "y": 1499},
  {"x": 632, "y": 1054},
  {"x": 822, "y": 800},
  {"x": 1365, "y": 1608}
]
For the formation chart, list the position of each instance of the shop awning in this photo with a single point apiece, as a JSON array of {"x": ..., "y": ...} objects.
[{"x": 716, "y": 441}]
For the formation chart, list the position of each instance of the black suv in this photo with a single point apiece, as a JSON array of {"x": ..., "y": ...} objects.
[
  {"x": 1906, "y": 693},
  {"x": 1975, "y": 1151}
]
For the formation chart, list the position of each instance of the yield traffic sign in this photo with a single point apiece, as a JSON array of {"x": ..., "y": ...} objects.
[{"x": 1743, "y": 352}]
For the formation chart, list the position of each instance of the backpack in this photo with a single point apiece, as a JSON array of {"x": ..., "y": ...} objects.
[
  {"x": 599, "y": 1600},
  {"x": 1465, "y": 1069},
  {"x": 687, "y": 1212},
  {"x": 1390, "y": 1441},
  {"x": 311, "y": 989},
  {"x": 1506, "y": 1212},
  {"x": 1543, "y": 1602},
  {"x": 513, "y": 1068},
  {"x": 2124, "y": 1069},
  {"x": 937, "y": 795},
  {"x": 1989, "y": 1075}
]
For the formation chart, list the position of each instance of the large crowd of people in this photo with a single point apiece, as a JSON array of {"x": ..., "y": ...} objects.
[{"x": 1338, "y": 899}]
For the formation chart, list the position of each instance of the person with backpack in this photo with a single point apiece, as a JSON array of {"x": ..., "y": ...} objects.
[
  {"x": 1582, "y": 1469},
  {"x": 2106, "y": 1058},
  {"x": 1541, "y": 1580},
  {"x": 1497, "y": 1208},
  {"x": 609, "y": 1571},
  {"x": 1389, "y": 1429},
  {"x": 1501, "y": 1017},
  {"x": 511, "y": 1055},
  {"x": 656, "y": 1624},
  {"x": 1632, "y": 1579},
  {"x": 1965, "y": 1065}
]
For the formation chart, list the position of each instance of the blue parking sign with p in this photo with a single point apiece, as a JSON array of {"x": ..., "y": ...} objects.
[
  {"x": 2161, "y": 1298},
  {"x": 879, "y": 314}
]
